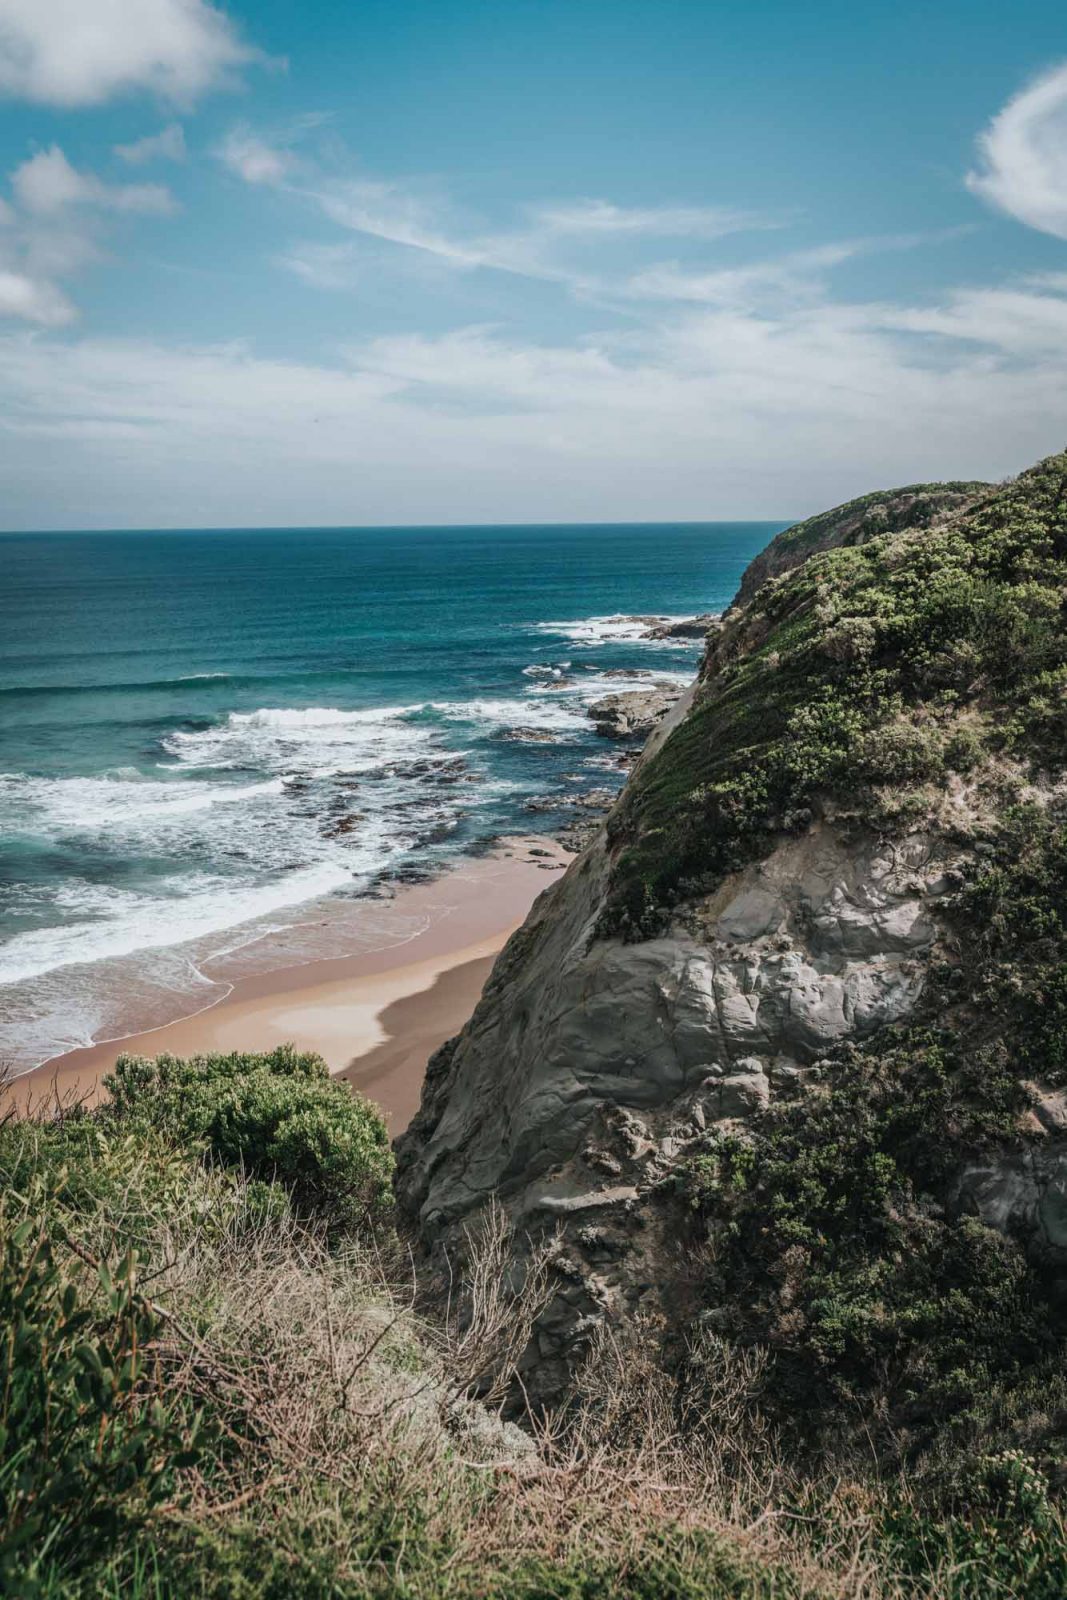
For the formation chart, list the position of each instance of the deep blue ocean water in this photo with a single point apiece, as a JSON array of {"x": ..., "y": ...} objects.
[{"x": 203, "y": 733}]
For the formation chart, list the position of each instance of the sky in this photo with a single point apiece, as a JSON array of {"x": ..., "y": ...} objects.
[{"x": 310, "y": 262}]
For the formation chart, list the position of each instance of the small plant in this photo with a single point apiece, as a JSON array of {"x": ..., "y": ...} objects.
[
  {"x": 90, "y": 1440},
  {"x": 278, "y": 1116}
]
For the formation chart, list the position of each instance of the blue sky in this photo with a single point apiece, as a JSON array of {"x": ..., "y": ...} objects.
[{"x": 447, "y": 262}]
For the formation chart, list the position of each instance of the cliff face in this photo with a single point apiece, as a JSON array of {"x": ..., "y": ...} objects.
[{"x": 784, "y": 1054}]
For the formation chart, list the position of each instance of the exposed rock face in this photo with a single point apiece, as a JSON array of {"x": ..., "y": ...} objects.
[
  {"x": 632, "y": 715},
  {"x": 1024, "y": 1194},
  {"x": 590, "y": 1065}
]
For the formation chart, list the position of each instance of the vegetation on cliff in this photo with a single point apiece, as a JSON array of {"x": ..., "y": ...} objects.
[
  {"x": 212, "y": 1387},
  {"x": 862, "y": 679},
  {"x": 917, "y": 680},
  {"x": 883, "y": 511}
]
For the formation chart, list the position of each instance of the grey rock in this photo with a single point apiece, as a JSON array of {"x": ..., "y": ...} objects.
[
  {"x": 591, "y": 1067},
  {"x": 685, "y": 628},
  {"x": 1023, "y": 1193},
  {"x": 632, "y": 714}
]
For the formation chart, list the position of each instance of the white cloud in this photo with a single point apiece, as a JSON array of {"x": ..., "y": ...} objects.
[
  {"x": 540, "y": 245},
  {"x": 47, "y": 184},
  {"x": 602, "y": 218},
  {"x": 84, "y": 52},
  {"x": 324, "y": 266},
  {"x": 54, "y": 229},
  {"x": 1024, "y": 156},
  {"x": 166, "y": 145},
  {"x": 535, "y": 249},
  {"x": 1016, "y": 321},
  {"x": 33, "y": 300},
  {"x": 711, "y": 411},
  {"x": 799, "y": 273},
  {"x": 252, "y": 158},
  {"x": 387, "y": 211}
]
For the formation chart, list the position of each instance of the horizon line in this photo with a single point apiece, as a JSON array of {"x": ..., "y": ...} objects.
[{"x": 402, "y": 527}]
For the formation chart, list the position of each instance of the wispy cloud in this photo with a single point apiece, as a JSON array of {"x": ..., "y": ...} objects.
[
  {"x": 81, "y": 52},
  {"x": 166, "y": 145},
  {"x": 1024, "y": 156},
  {"x": 1023, "y": 321},
  {"x": 538, "y": 244},
  {"x": 254, "y": 159},
  {"x": 600, "y": 218},
  {"x": 387, "y": 211},
  {"x": 799, "y": 272},
  {"x": 323, "y": 266},
  {"x": 711, "y": 410}
]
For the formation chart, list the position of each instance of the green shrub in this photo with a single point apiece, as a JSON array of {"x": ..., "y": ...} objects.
[
  {"x": 278, "y": 1116},
  {"x": 89, "y": 1438}
]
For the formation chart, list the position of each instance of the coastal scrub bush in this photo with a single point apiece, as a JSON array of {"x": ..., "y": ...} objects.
[
  {"x": 89, "y": 1439},
  {"x": 310, "y": 1438},
  {"x": 279, "y": 1116}
]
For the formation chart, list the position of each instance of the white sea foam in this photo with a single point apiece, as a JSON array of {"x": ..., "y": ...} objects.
[
  {"x": 592, "y": 686},
  {"x": 319, "y": 736},
  {"x": 546, "y": 669},
  {"x": 615, "y": 630},
  {"x": 333, "y": 798},
  {"x": 149, "y": 922},
  {"x": 118, "y": 800},
  {"x": 496, "y": 715},
  {"x": 241, "y": 824}
]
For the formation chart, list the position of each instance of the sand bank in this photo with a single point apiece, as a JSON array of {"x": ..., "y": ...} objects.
[{"x": 375, "y": 1016}]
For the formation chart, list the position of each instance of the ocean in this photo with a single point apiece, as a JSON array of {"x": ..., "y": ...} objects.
[{"x": 215, "y": 744}]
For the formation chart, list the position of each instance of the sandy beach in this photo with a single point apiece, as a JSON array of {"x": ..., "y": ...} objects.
[{"x": 375, "y": 1017}]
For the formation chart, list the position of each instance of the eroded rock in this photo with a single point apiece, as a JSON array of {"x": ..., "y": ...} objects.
[{"x": 591, "y": 1067}]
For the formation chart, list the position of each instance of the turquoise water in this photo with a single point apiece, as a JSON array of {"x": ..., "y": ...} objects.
[{"x": 202, "y": 734}]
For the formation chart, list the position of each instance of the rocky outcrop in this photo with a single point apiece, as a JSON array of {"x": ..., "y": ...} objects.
[
  {"x": 771, "y": 896},
  {"x": 591, "y": 1066},
  {"x": 633, "y": 714},
  {"x": 684, "y": 627}
]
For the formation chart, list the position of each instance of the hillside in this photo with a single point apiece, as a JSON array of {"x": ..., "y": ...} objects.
[{"x": 783, "y": 1056}]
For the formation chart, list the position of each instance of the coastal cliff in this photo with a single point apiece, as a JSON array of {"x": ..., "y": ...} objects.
[{"x": 782, "y": 1059}]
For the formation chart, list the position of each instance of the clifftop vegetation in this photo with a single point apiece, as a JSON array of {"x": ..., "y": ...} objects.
[
  {"x": 870, "y": 678},
  {"x": 885, "y": 511}
]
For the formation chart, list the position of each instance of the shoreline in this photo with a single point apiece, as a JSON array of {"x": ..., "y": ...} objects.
[{"x": 375, "y": 1015}]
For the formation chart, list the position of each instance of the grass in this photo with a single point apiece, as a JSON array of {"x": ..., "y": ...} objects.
[{"x": 294, "y": 1425}]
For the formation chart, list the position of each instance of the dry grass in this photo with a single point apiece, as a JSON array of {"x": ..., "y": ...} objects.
[
  {"x": 335, "y": 1392},
  {"x": 350, "y": 1424}
]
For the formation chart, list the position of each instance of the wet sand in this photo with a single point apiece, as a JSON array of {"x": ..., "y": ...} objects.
[{"x": 375, "y": 1017}]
